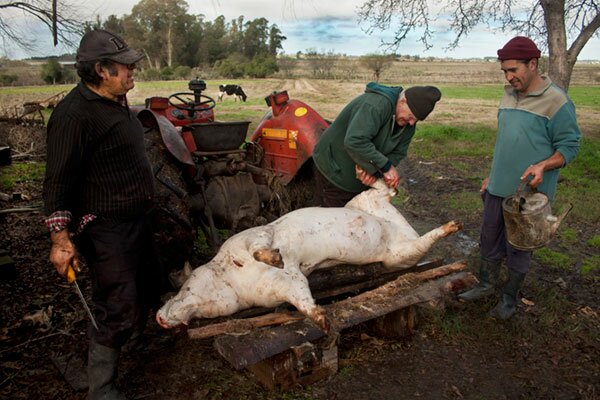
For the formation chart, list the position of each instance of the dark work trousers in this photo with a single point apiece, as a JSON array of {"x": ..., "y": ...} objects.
[
  {"x": 494, "y": 246},
  {"x": 126, "y": 276},
  {"x": 329, "y": 195}
]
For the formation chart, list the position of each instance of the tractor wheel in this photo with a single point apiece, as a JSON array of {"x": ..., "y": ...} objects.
[{"x": 173, "y": 232}]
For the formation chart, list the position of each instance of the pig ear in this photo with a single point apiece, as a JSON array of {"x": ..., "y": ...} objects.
[{"x": 187, "y": 270}]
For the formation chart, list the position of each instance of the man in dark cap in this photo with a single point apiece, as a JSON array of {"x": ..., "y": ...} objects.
[
  {"x": 98, "y": 190},
  {"x": 537, "y": 135},
  {"x": 368, "y": 139}
]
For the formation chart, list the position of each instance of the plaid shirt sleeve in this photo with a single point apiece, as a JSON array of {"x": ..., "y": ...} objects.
[
  {"x": 61, "y": 220},
  {"x": 58, "y": 221}
]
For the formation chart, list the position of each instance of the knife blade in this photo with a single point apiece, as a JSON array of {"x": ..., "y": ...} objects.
[{"x": 71, "y": 279}]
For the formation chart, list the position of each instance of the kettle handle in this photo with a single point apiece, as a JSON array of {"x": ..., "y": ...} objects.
[{"x": 518, "y": 205}]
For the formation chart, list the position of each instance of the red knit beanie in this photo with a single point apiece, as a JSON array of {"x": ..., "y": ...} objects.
[{"x": 519, "y": 48}]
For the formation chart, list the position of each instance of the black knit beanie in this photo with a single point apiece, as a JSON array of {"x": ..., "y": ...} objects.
[{"x": 421, "y": 100}]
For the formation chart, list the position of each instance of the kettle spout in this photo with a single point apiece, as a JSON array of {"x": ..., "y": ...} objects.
[{"x": 555, "y": 221}]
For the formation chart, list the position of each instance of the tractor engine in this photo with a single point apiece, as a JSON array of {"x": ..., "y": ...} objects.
[{"x": 209, "y": 176}]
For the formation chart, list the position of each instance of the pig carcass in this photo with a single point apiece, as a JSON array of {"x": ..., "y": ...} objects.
[{"x": 268, "y": 265}]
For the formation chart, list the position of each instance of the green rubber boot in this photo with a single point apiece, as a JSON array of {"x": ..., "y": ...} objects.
[
  {"x": 102, "y": 372},
  {"x": 489, "y": 273},
  {"x": 507, "y": 305}
]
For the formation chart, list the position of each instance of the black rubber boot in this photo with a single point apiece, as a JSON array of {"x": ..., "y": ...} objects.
[
  {"x": 102, "y": 372},
  {"x": 489, "y": 272},
  {"x": 507, "y": 305}
]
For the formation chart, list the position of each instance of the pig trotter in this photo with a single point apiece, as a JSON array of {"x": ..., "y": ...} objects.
[
  {"x": 269, "y": 256},
  {"x": 452, "y": 227},
  {"x": 319, "y": 317}
]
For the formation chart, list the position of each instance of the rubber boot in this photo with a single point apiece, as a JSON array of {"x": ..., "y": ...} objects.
[
  {"x": 102, "y": 372},
  {"x": 489, "y": 273},
  {"x": 507, "y": 305}
]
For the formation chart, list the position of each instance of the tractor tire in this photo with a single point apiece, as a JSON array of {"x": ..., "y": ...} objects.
[{"x": 173, "y": 233}]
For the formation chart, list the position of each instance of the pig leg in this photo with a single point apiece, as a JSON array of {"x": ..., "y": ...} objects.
[
  {"x": 291, "y": 286},
  {"x": 408, "y": 253}
]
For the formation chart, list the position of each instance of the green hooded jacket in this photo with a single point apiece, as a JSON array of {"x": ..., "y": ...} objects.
[{"x": 365, "y": 133}]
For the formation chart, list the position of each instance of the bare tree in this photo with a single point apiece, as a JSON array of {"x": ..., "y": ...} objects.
[
  {"x": 59, "y": 16},
  {"x": 550, "y": 22},
  {"x": 321, "y": 63},
  {"x": 377, "y": 63}
]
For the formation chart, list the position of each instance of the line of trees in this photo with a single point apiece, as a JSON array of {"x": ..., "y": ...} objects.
[{"x": 170, "y": 37}]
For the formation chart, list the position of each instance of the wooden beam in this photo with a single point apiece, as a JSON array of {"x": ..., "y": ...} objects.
[
  {"x": 405, "y": 291},
  {"x": 240, "y": 326}
]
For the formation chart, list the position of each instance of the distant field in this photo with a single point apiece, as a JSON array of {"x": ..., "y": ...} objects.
[{"x": 471, "y": 91}]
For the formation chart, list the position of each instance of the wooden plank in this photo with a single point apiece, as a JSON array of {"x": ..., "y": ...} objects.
[
  {"x": 405, "y": 291},
  {"x": 240, "y": 326}
]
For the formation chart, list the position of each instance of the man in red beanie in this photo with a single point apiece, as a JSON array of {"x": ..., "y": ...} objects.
[{"x": 537, "y": 135}]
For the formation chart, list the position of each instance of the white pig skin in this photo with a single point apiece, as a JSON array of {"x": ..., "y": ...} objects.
[{"x": 368, "y": 229}]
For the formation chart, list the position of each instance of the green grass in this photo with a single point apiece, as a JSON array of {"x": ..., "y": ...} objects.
[
  {"x": 553, "y": 259},
  {"x": 568, "y": 235},
  {"x": 465, "y": 201},
  {"x": 590, "y": 264},
  {"x": 594, "y": 241},
  {"x": 481, "y": 92},
  {"x": 434, "y": 141},
  {"x": 585, "y": 96},
  {"x": 581, "y": 95},
  {"x": 21, "y": 172}
]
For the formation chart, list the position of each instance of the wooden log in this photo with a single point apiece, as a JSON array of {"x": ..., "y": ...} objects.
[
  {"x": 325, "y": 279},
  {"x": 20, "y": 210},
  {"x": 405, "y": 291},
  {"x": 239, "y": 326}
]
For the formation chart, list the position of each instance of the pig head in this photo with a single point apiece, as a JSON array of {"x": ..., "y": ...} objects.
[{"x": 267, "y": 265}]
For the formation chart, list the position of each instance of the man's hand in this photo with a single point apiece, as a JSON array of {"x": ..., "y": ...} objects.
[
  {"x": 537, "y": 172},
  {"x": 391, "y": 178},
  {"x": 363, "y": 176},
  {"x": 484, "y": 184},
  {"x": 63, "y": 253}
]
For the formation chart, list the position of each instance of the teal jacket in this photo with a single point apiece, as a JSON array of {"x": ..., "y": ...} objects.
[
  {"x": 365, "y": 133},
  {"x": 530, "y": 130}
]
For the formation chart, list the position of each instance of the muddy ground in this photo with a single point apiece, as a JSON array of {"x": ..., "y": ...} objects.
[{"x": 550, "y": 350}]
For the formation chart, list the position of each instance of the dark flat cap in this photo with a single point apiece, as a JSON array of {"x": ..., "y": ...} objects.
[{"x": 100, "y": 44}]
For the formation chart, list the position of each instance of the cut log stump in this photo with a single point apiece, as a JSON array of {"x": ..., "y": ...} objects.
[{"x": 302, "y": 365}]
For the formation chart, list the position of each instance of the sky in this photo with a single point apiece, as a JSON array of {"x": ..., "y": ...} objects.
[{"x": 324, "y": 25}]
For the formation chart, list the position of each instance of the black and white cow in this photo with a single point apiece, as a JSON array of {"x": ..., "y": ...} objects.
[{"x": 232, "y": 90}]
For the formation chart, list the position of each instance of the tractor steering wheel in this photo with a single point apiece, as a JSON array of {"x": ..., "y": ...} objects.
[{"x": 192, "y": 106}]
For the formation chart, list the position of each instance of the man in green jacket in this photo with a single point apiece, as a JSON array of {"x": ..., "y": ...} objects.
[
  {"x": 368, "y": 139},
  {"x": 537, "y": 135}
]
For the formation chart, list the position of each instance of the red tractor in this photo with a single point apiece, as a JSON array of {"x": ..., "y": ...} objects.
[{"x": 209, "y": 175}]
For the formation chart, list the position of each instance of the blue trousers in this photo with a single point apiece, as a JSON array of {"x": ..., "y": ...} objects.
[{"x": 494, "y": 246}]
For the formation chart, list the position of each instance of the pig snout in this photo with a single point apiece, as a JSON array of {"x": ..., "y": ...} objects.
[{"x": 162, "y": 323}]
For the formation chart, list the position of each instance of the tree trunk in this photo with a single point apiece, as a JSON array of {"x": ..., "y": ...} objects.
[
  {"x": 559, "y": 65},
  {"x": 170, "y": 44}
]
